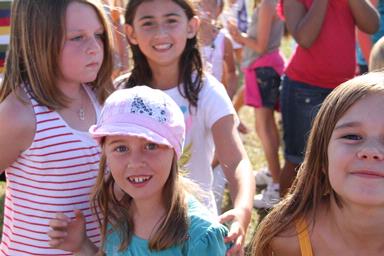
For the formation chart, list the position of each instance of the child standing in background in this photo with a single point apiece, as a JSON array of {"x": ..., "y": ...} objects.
[
  {"x": 114, "y": 10},
  {"x": 218, "y": 60},
  {"x": 336, "y": 205},
  {"x": 57, "y": 74},
  {"x": 324, "y": 58},
  {"x": 376, "y": 58},
  {"x": 141, "y": 132},
  {"x": 217, "y": 52},
  {"x": 162, "y": 35},
  {"x": 263, "y": 65}
]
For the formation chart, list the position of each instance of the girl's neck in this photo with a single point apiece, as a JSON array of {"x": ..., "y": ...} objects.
[
  {"x": 359, "y": 226},
  {"x": 147, "y": 216},
  {"x": 165, "y": 77},
  {"x": 71, "y": 90}
]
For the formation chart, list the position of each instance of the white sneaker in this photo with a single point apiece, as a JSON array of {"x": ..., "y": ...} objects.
[
  {"x": 263, "y": 177},
  {"x": 267, "y": 199}
]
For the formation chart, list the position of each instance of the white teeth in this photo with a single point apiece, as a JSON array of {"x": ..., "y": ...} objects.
[
  {"x": 138, "y": 179},
  {"x": 162, "y": 46}
]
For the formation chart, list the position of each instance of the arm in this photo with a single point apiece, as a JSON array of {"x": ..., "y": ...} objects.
[
  {"x": 237, "y": 169},
  {"x": 17, "y": 126},
  {"x": 364, "y": 39},
  {"x": 304, "y": 25},
  {"x": 259, "y": 44},
  {"x": 231, "y": 79},
  {"x": 365, "y": 43},
  {"x": 366, "y": 16},
  {"x": 70, "y": 235}
]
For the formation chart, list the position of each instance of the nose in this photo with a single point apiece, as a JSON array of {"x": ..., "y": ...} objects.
[
  {"x": 135, "y": 160},
  {"x": 94, "y": 46},
  {"x": 162, "y": 30},
  {"x": 371, "y": 150}
]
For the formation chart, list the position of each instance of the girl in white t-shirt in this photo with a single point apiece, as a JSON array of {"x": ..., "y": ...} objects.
[{"x": 162, "y": 35}]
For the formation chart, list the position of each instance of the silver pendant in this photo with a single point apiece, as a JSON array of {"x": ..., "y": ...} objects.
[{"x": 81, "y": 114}]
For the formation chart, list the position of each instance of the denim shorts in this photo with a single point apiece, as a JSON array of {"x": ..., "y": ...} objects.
[
  {"x": 269, "y": 82},
  {"x": 300, "y": 103}
]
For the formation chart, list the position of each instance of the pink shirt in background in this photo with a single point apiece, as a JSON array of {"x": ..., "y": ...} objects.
[{"x": 331, "y": 59}]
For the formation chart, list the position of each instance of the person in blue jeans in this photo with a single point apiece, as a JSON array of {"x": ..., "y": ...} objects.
[{"x": 324, "y": 58}]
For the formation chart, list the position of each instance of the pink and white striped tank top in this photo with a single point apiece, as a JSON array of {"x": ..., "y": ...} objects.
[{"x": 56, "y": 174}]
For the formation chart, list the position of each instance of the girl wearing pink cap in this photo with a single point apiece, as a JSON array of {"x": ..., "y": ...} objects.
[
  {"x": 141, "y": 133},
  {"x": 162, "y": 36}
]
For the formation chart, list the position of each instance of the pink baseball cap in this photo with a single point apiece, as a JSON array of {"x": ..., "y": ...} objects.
[{"x": 143, "y": 112}]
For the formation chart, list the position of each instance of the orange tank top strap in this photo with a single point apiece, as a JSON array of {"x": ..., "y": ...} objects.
[{"x": 303, "y": 237}]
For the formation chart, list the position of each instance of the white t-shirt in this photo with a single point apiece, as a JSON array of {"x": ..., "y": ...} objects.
[
  {"x": 213, "y": 56},
  {"x": 213, "y": 103}
]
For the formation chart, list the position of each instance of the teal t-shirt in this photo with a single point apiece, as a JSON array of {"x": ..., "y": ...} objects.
[{"x": 206, "y": 237}]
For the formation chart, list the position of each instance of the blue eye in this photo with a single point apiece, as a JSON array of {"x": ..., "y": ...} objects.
[
  {"x": 121, "y": 149},
  {"x": 151, "y": 146},
  {"x": 352, "y": 137},
  {"x": 77, "y": 38}
]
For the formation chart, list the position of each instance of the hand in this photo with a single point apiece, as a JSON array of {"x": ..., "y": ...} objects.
[
  {"x": 236, "y": 233},
  {"x": 234, "y": 31},
  {"x": 67, "y": 234}
]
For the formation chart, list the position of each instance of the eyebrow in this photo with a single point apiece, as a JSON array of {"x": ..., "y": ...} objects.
[
  {"x": 167, "y": 15},
  {"x": 115, "y": 142},
  {"x": 347, "y": 125},
  {"x": 101, "y": 29}
]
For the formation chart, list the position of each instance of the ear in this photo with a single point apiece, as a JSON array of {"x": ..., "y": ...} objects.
[
  {"x": 193, "y": 27},
  {"x": 129, "y": 32}
]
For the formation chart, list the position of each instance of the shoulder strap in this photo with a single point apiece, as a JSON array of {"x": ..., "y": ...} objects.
[{"x": 303, "y": 236}]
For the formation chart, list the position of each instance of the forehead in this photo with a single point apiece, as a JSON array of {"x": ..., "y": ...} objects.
[
  {"x": 81, "y": 16},
  {"x": 158, "y": 8},
  {"x": 370, "y": 103}
]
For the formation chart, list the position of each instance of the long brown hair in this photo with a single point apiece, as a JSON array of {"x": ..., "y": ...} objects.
[
  {"x": 116, "y": 212},
  {"x": 190, "y": 62},
  {"x": 37, "y": 35},
  {"x": 311, "y": 186}
]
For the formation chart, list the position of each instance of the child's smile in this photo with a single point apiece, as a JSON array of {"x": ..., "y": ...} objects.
[
  {"x": 137, "y": 163},
  {"x": 356, "y": 152}
]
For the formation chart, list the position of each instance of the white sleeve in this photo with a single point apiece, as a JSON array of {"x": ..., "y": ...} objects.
[{"x": 214, "y": 101}]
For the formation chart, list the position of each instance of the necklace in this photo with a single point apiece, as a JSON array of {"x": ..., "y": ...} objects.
[{"x": 81, "y": 113}]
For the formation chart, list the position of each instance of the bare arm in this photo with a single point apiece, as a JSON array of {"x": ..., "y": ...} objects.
[
  {"x": 231, "y": 78},
  {"x": 17, "y": 127},
  {"x": 267, "y": 11},
  {"x": 305, "y": 25},
  {"x": 237, "y": 169},
  {"x": 366, "y": 16},
  {"x": 70, "y": 235},
  {"x": 365, "y": 43}
]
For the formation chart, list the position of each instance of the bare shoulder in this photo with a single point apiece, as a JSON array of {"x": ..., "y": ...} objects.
[
  {"x": 286, "y": 243},
  {"x": 17, "y": 127}
]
